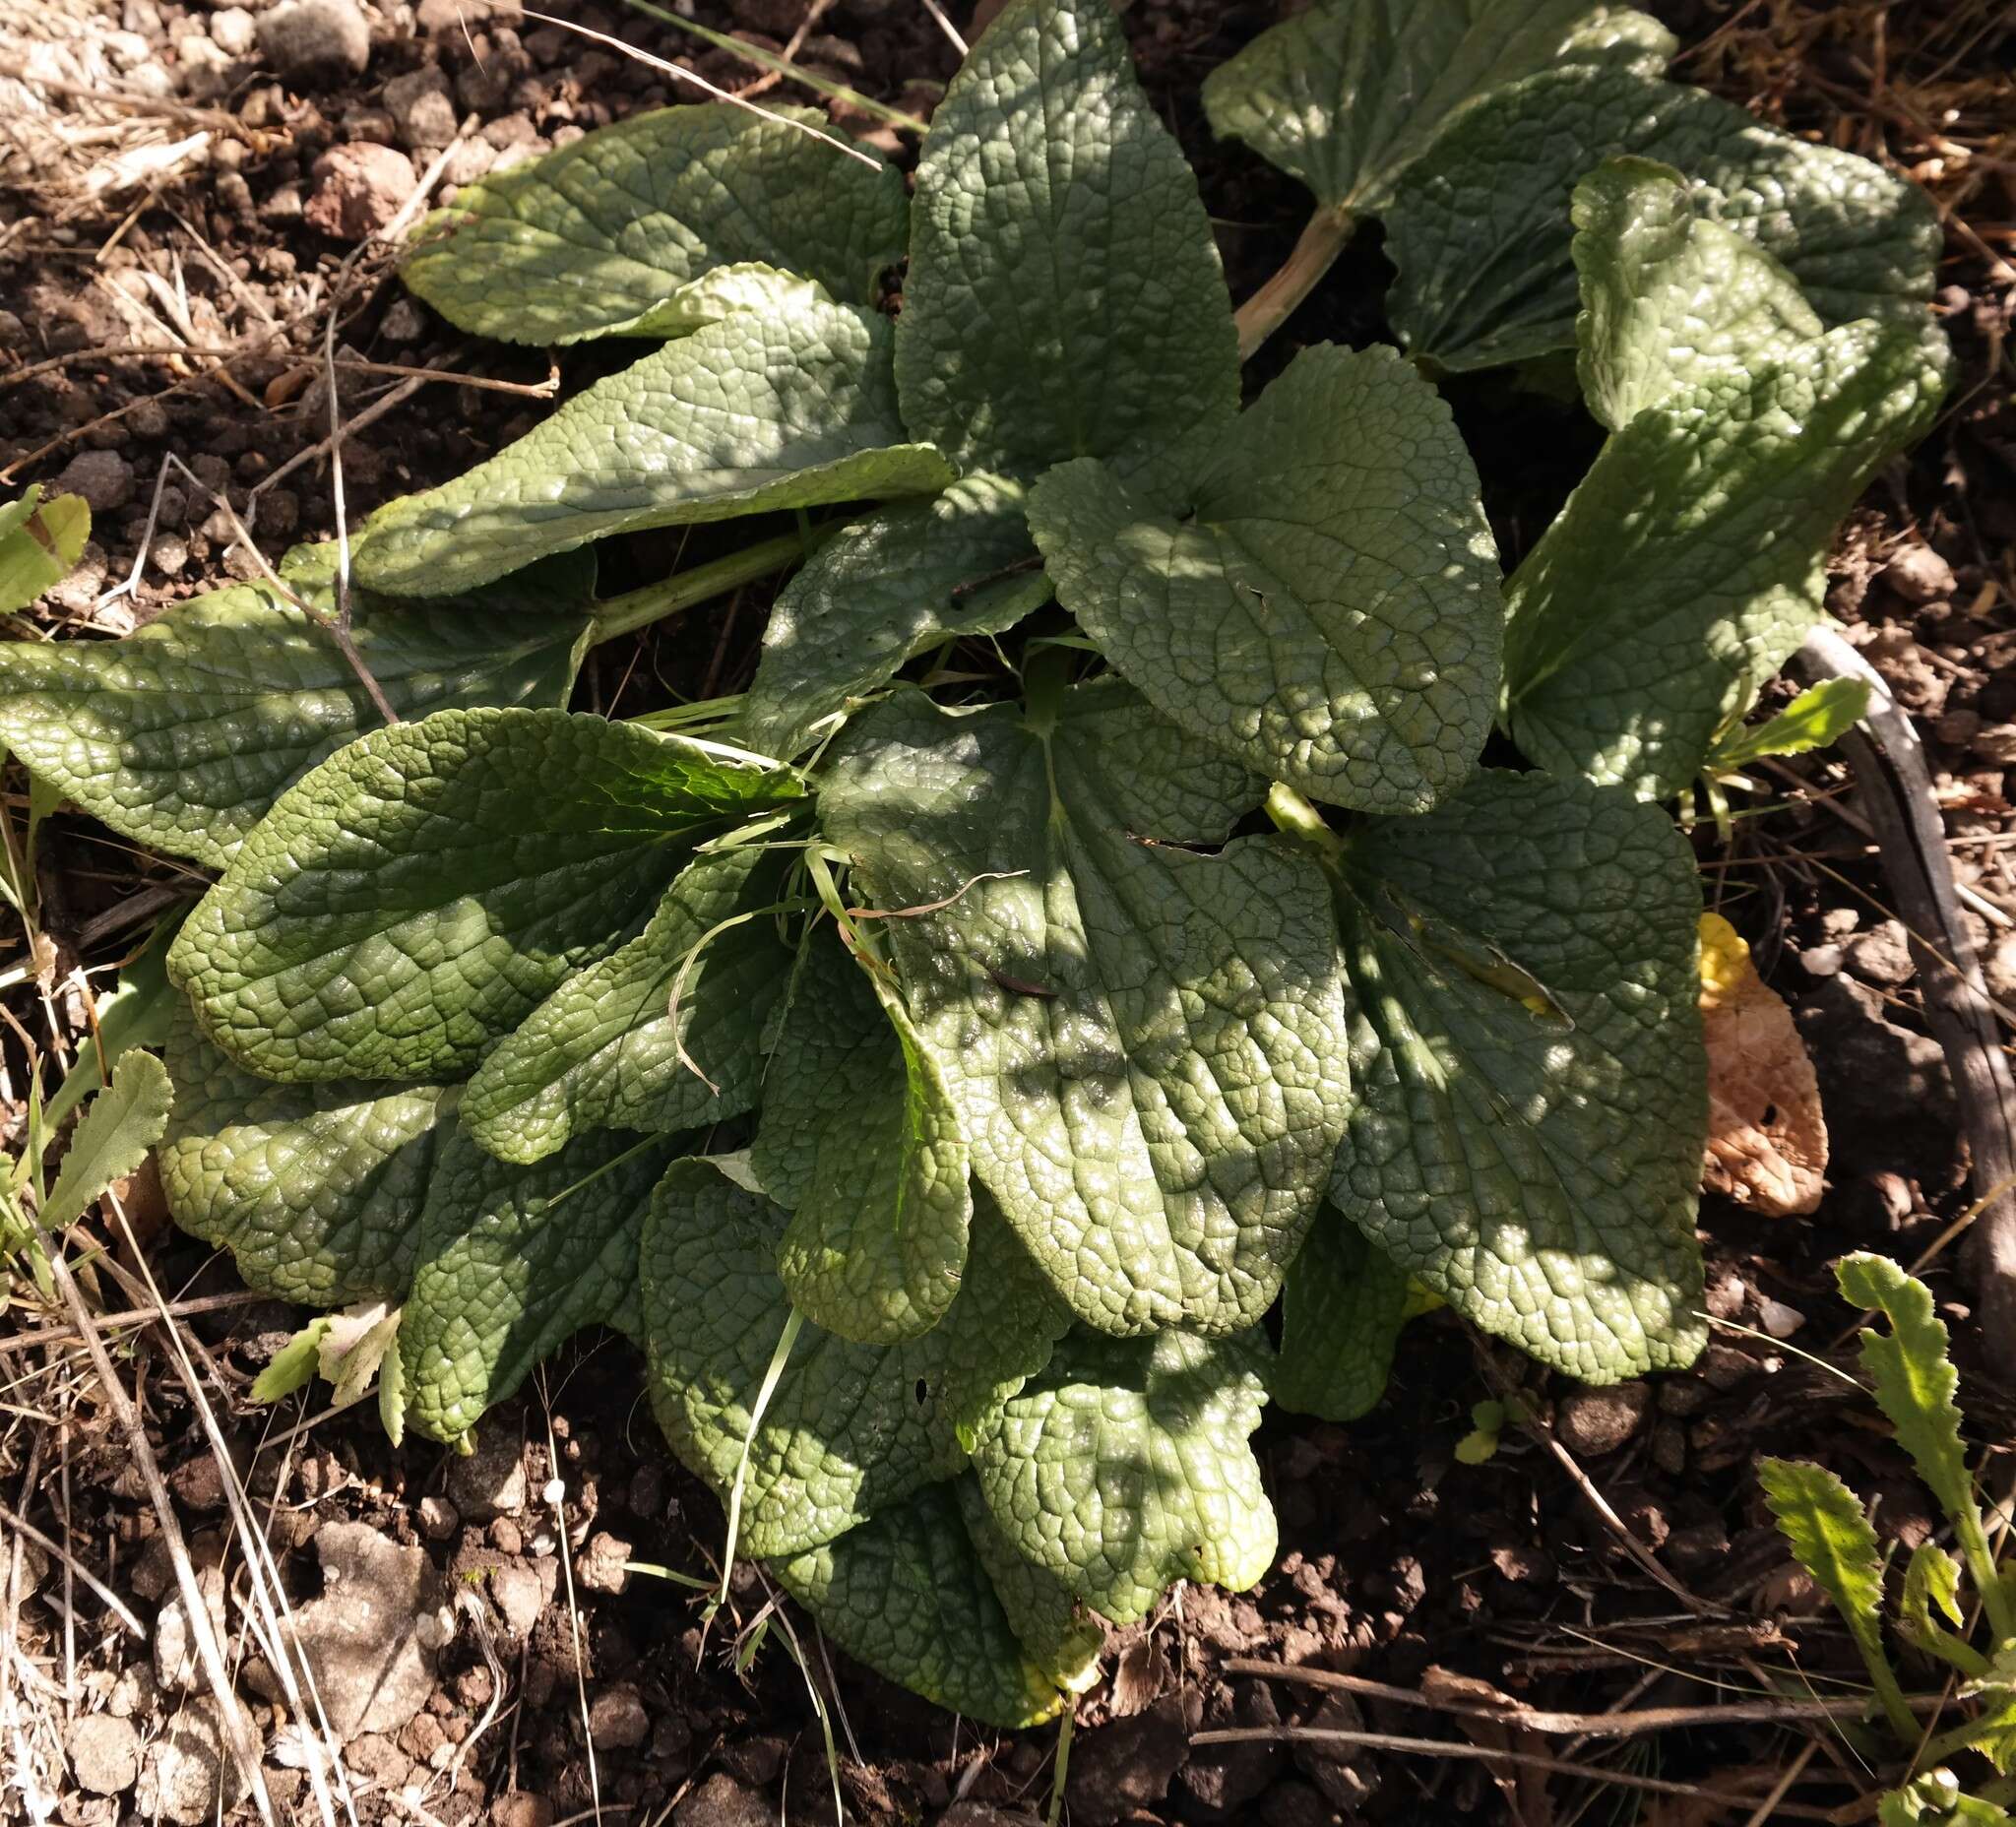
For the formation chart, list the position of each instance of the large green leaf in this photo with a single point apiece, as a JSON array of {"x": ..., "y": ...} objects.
[
  {"x": 1329, "y": 613},
  {"x": 1145, "y": 1045},
  {"x": 183, "y": 734},
  {"x": 1687, "y": 565},
  {"x": 1481, "y": 228},
  {"x": 849, "y": 1431},
  {"x": 1123, "y": 1465},
  {"x": 1341, "y": 1310},
  {"x": 39, "y": 541},
  {"x": 1059, "y": 1632},
  {"x": 421, "y": 890},
  {"x": 606, "y": 236},
  {"x": 1531, "y": 1084},
  {"x": 881, "y": 592},
  {"x": 1064, "y": 296},
  {"x": 603, "y": 1051},
  {"x": 908, "y": 1595},
  {"x": 861, "y": 1142},
  {"x": 315, "y": 1189},
  {"x": 509, "y": 1261},
  {"x": 1671, "y": 300},
  {"x": 111, "y": 1139},
  {"x": 786, "y": 408},
  {"x": 1347, "y": 95}
]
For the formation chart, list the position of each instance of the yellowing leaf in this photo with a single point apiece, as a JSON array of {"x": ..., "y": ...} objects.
[{"x": 1767, "y": 1137}]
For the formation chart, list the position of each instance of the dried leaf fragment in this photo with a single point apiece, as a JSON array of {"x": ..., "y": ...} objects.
[{"x": 1767, "y": 1138}]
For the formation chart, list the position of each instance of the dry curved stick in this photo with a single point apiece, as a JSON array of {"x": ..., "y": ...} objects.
[{"x": 1895, "y": 794}]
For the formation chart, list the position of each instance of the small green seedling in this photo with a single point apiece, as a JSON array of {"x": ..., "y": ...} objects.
[{"x": 1912, "y": 1378}]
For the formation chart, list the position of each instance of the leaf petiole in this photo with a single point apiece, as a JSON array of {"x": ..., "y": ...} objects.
[
  {"x": 1326, "y": 236},
  {"x": 686, "y": 590}
]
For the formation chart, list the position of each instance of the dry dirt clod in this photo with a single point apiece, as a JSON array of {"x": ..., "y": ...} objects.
[
  {"x": 104, "y": 478},
  {"x": 603, "y": 1566},
  {"x": 516, "y": 1809},
  {"x": 104, "y": 1754},
  {"x": 316, "y": 39},
  {"x": 360, "y": 188},
  {"x": 518, "y": 1598},
  {"x": 363, "y": 1638},
  {"x": 617, "y": 1718},
  {"x": 490, "y": 1482},
  {"x": 722, "y": 1801},
  {"x": 421, "y": 109},
  {"x": 176, "y": 1666},
  {"x": 1128, "y": 1764},
  {"x": 189, "y": 1774},
  {"x": 1918, "y": 574},
  {"x": 1594, "y": 1422},
  {"x": 1881, "y": 955},
  {"x": 437, "y": 1518}
]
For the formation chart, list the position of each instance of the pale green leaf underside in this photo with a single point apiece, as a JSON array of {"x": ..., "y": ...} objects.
[
  {"x": 908, "y": 1595},
  {"x": 879, "y": 592},
  {"x": 39, "y": 541},
  {"x": 315, "y": 1189},
  {"x": 861, "y": 1142},
  {"x": 1537, "y": 1168},
  {"x": 1686, "y": 566},
  {"x": 850, "y": 1430},
  {"x": 602, "y": 1050},
  {"x": 111, "y": 1139},
  {"x": 600, "y": 236},
  {"x": 509, "y": 1261},
  {"x": 1817, "y": 718},
  {"x": 1671, "y": 300},
  {"x": 1347, "y": 95},
  {"x": 1145, "y": 1045},
  {"x": 424, "y": 889},
  {"x": 1123, "y": 1465},
  {"x": 1830, "y": 1537},
  {"x": 1481, "y": 228},
  {"x": 1064, "y": 297},
  {"x": 783, "y": 408},
  {"x": 1330, "y": 613},
  {"x": 1341, "y": 1310},
  {"x": 183, "y": 734}
]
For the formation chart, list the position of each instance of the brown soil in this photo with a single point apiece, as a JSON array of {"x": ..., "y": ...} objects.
[{"x": 1397, "y": 1559}]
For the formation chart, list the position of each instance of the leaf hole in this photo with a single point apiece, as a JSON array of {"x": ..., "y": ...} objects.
[{"x": 923, "y": 1391}]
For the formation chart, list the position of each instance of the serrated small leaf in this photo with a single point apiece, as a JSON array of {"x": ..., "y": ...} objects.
[
  {"x": 41, "y": 540},
  {"x": 112, "y": 1138},
  {"x": 139, "y": 1012},
  {"x": 1687, "y": 564},
  {"x": 1145, "y": 1044},
  {"x": 906, "y": 1594},
  {"x": 1910, "y": 1369},
  {"x": 1527, "y": 1050},
  {"x": 1829, "y": 1534},
  {"x": 509, "y": 1261},
  {"x": 1341, "y": 1310},
  {"x": 315, "y": 1189},
  {"x": 787, "y": 407},
  {"x": 1819, "y": 716},
  {"x": 424, "y": 889},
  {"x": 861, "y": 1142},
  {"x": 608, "y": 236},
  {"x": 1123, "y": 1465},
  {"x": 1479, "y": 228},
  {"x": 1935, "y": 1799},
  {"x": 182, "y": 735},
  {"x": 1347, "y": 95},
  {"x": 602, "y": 1051},
  {"x": 293, "y": 1365},
  {"x": 878, "y": 593},
  {"x": 849, "y": 1429},
  {"x": 1329, "y": 612},
  {"x": 1064, "y": 297}
]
